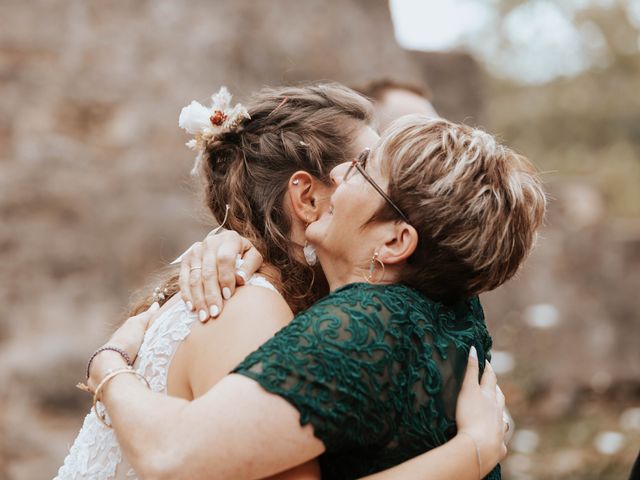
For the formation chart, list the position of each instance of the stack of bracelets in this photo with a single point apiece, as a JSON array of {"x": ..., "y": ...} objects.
[{"x": 108, "y": 377}]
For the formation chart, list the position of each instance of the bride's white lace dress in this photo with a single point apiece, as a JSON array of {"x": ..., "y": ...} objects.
[{"x": 95, "y": 453}]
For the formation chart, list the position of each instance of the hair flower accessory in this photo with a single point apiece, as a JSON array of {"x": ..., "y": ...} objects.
[{"x": 206, "y": 123}]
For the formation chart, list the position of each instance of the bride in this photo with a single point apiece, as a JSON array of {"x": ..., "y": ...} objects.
[{"x": 294, "y": 138}]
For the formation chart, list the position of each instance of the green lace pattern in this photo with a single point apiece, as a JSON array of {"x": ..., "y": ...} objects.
[{"x": 376, "y": 369}]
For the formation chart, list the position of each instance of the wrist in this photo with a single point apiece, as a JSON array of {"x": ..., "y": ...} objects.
[
  {"x": 474, "y": 450},
  {"x": 103, "y": 363}
]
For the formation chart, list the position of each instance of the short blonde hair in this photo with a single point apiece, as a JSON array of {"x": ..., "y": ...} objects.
[{"x": 475, "y": 204}]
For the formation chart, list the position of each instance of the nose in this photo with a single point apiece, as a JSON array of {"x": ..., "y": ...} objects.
[{"x": 337, "y": 173}]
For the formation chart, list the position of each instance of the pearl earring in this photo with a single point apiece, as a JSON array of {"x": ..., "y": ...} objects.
[
  {"x": 295, "y": 181},
  {"x": 310, "y": 254},
  {"x": 309, "y": 251}
]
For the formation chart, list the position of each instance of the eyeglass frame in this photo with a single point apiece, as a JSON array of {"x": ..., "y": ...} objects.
[{"x": 358, "y": 164}]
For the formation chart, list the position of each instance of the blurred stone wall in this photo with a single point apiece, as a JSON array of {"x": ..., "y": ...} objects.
[{"x": 95, "y": 193}]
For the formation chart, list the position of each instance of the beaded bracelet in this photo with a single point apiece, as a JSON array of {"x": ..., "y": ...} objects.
[
  {"x": 122, "y": 353},
  {"x": 102, "y": 417}
]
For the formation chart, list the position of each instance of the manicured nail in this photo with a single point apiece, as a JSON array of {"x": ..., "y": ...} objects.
[
  {"x": 190, "y": 306},
  {"x": 473, "y": 353},
  {"x": 203, "y": 315},
  {"x": 226, "y": 293},
  {"x": 242, "y": 275},
  {"x": 214, "y": 310}
]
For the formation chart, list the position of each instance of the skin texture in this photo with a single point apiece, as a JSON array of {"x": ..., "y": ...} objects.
[{"x": 396, "y": 103}]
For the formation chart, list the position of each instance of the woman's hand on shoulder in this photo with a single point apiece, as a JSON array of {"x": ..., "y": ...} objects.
[
  {"x": 250, "y": 318},
  {"x": 480, "y": 414},
  {"x": 208, "y": 273}
]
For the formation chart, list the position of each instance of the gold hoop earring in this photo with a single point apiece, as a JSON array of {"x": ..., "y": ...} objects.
[{"x": 372, "y": 269}]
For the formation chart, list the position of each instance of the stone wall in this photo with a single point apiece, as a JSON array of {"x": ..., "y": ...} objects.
[{"x": 95, "y": 193}]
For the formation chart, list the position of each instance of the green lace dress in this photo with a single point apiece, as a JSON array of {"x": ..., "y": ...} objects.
[{"x": 376, "y": 369}]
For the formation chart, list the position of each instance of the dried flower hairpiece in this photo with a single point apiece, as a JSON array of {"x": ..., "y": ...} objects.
[{"x": 206, "y": 123}]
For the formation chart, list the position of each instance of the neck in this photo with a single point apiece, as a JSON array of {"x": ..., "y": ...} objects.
[
  {"x": 340, "y": 274},
  {"x": 272, "y": 274}
]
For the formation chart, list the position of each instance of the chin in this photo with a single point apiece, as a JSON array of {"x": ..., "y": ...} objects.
[{"x": 316, "y": 232}]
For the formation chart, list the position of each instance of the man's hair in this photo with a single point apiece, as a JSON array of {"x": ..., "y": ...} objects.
[{"x": 475, "y": 204}]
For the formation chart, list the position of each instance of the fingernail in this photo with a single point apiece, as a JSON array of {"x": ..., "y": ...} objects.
[
  {"x": 214, "y": 310},
  {"x": 473, "y": 353},
  {"x": 242, "y": 275},
  {"x": 190, "y": 306},
  {"x": 226, "y": 293},
  {"x": 154, "y": 306},
  {"x": 203, "y": 315}
]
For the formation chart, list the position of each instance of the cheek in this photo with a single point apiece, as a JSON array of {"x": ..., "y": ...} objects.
[
  {"x": 351, "y": 205},
  {"x": 329, "y": 221}
]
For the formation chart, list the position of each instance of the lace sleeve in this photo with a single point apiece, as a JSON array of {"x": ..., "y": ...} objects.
[
  {"x": 376, "y": 370},
  {"x": 333, "y": 364}
]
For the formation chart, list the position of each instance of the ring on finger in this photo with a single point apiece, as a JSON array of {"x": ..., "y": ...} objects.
[{"x": 195, "y": 268}]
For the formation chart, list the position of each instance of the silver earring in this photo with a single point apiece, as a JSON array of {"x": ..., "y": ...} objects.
[
  {"x": 295, "y": 181},
  {"x": 310, "y": 254}
]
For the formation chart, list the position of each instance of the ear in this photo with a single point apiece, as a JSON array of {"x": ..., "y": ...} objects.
[
  {"x": 401, "y": 241},
  {"x": 305, "y": 192}
]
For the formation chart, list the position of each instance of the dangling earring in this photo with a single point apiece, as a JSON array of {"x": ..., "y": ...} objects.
[
  {"x": 310, "y": 254},
  {"x": 309, "y": 250},
  {"x": 372, "y": 269}
]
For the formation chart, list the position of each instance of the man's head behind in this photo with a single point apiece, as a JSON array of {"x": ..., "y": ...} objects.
[{"x": 393, "y": 99}]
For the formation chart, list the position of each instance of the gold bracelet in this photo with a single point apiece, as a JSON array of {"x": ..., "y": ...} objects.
[
  {"x": 475, "y": 444},
  {"x": 108, "y": 377}
]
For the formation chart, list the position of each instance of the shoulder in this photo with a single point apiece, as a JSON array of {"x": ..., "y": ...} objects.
[
  {"x": 251, "y": 305},
  {"x": 250, "y": 318},
  {"x": 254, "y": 301}
]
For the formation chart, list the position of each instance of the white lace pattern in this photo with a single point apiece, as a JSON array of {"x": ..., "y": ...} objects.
[{"x": 95, "y": 453}]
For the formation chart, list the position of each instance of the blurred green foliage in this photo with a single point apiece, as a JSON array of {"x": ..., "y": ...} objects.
[{"x": 587, "y": 125}]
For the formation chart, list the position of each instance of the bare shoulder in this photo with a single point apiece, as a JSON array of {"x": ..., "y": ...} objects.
[
  {"x": 252, "y": 316},
  {"x": 252, "y": 300}
]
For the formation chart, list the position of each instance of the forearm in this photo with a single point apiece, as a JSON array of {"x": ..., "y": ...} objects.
[
  {"x": 236, "y": 430},
  {"x": 146, "y": 424},
  {"x": 455, "y": 460}
]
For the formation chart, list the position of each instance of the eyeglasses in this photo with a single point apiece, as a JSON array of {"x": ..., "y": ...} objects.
[{"x": 359, "y": 164}]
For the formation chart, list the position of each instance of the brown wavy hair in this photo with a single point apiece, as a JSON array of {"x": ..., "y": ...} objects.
[{"x": 308, "y": 128}]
